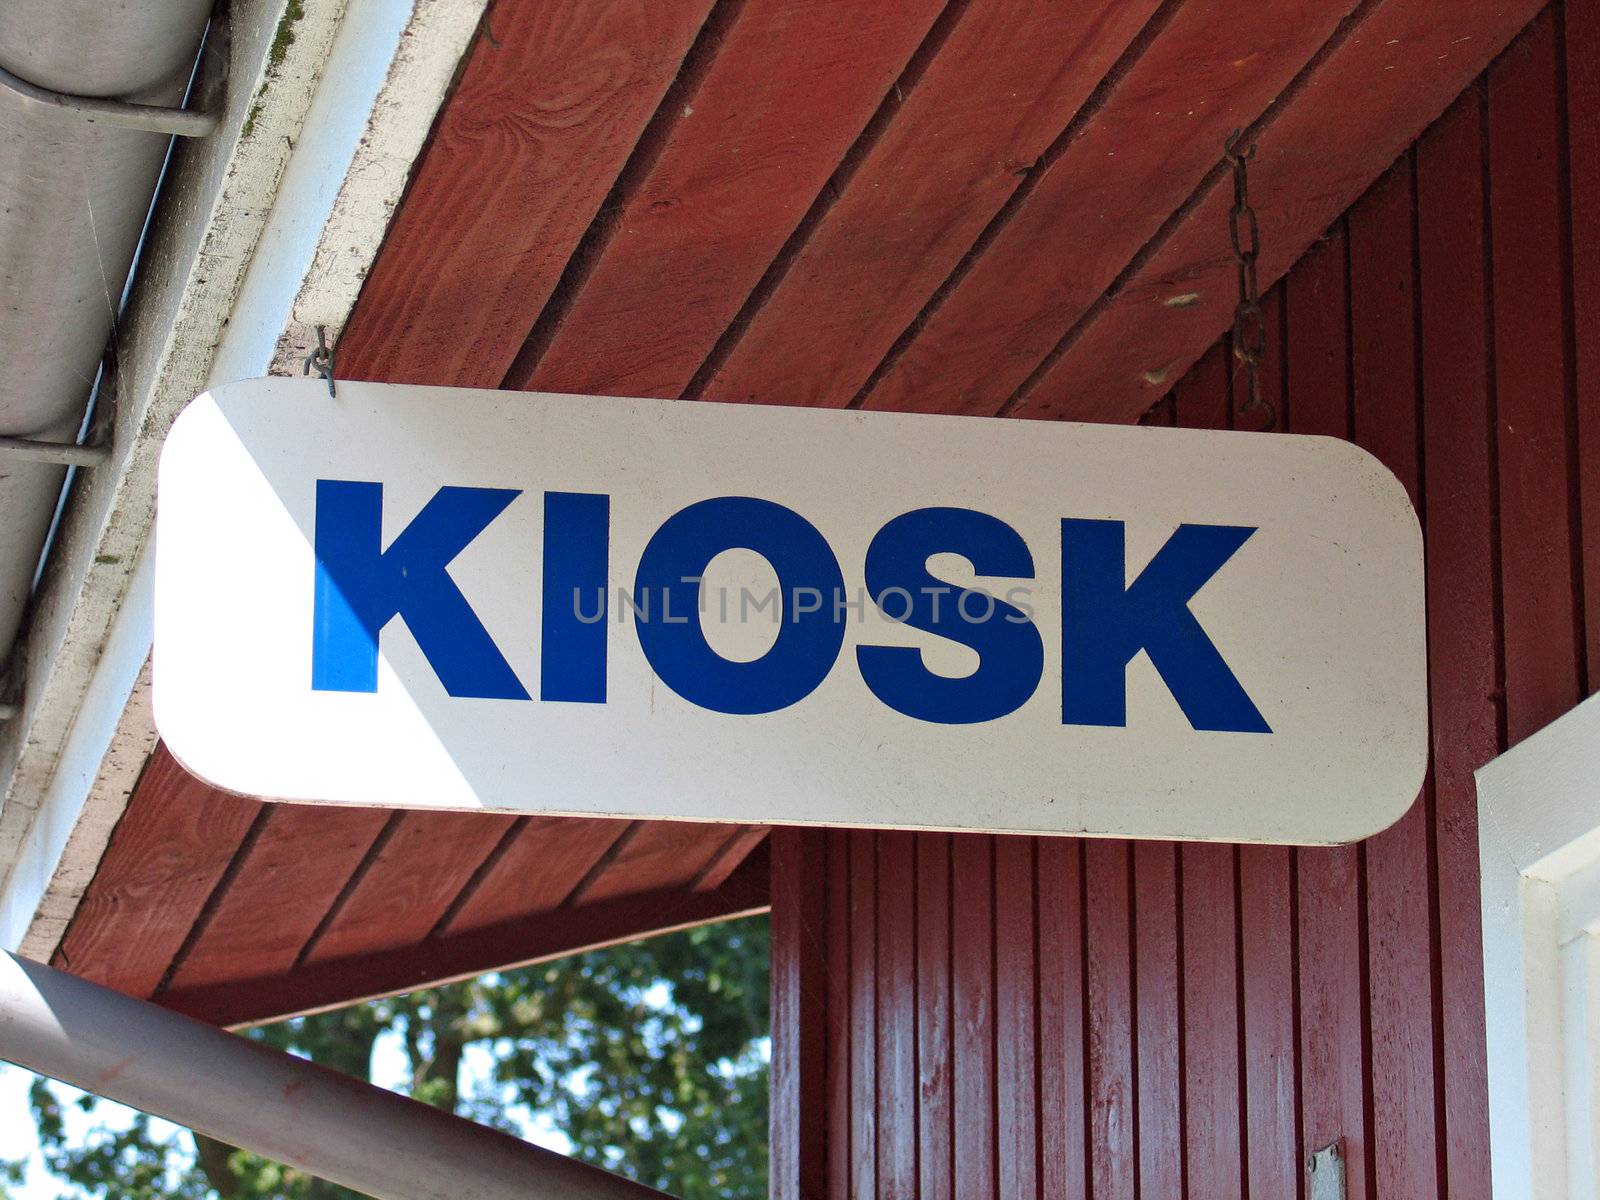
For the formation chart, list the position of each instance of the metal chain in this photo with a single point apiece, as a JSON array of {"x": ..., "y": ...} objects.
[
  {"x": 320, "y": 360},
  {"x": 1249, "y": 325}
]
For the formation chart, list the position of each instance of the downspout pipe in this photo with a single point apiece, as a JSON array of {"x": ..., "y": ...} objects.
[
  {"x": 292, "y": 1111},
  {"x": 75, "y": 187}
]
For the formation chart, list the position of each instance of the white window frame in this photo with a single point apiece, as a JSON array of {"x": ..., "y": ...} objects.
[{"x": 1539, "y": 849}]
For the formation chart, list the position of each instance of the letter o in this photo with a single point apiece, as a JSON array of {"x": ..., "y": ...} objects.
[{"x": 808, "y": 642}]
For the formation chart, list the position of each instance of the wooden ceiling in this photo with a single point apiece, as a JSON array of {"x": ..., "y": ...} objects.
[
  {"x": 980, "y": 206},
  {"x": 992, "y": 207},
  {"x": 237, "y": 911}
]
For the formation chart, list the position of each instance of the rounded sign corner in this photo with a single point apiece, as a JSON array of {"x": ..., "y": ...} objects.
[
  {"x": 175, "y": 738},
  {"x": 1385, "y": 482}
]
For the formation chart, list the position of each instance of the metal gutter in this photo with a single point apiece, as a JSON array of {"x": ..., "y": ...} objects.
[
  {"x": 290, "y": 1110},
  {"x": 265, "y": 230},
  {"x": 75, "y": 188}
]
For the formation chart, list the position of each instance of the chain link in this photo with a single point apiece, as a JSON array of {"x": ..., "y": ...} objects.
[{"x": 1249, "y": 325}]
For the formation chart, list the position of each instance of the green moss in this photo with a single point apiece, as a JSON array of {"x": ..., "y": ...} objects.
[{"x": 282, "y": 39}]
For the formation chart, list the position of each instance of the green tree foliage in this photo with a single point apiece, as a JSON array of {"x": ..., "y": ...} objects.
[{"x": 650, "y": 1057}]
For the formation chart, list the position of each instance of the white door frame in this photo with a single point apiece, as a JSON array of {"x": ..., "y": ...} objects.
[{"x": 1539, "y": 848}]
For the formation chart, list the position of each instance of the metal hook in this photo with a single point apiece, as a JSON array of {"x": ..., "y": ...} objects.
[{"x": 320, "y": 360}]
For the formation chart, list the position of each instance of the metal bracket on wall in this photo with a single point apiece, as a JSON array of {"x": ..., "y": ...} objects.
[
  {"x": 96, "y": 446},
  {"x": 63, "y": 454},
  {"x": 1325, "y": 1173},
  {"x": 179, "y": 122}
]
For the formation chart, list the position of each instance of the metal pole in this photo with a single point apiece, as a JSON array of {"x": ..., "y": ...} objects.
[{"x": 341, "y": 1129}]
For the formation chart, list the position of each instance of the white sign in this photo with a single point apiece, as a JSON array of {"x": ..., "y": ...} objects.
[{"x": 438, "y": 598}]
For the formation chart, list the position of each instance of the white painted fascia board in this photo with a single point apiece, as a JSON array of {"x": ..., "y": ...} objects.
[
  {"x": 1539, "y": 850},
  {"x": 266, "y": 229}
]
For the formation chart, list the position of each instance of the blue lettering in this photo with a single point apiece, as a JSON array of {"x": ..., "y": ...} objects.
[
  {"x": 572, "y": 640},
  {"x": 1010, "y": 653},
  {"x": 808, "y": 637},
  {"x": 360, "y": 588},
  {"x": 1105, "y": 623}
]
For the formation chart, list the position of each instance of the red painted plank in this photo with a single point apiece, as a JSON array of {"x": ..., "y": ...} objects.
[
  {"x": 164, "y": 860},
  {"x": 1331, "y": 995},
  {"x": 1365, "y": 101},
  {"x": 1160, "y": 1016},
  {"x": 1317, "y": 344},
  {"x": 1383, "y": 299},
  {"x": 1162, "y": 415},
  {"x": 841, "y": 1051},
  {"x": 1271, "y": 1075},
  {"x": 286, "y": 883},
  {"x": 1405, "y": 1133},
  {"x": 1542, "y": 639},
  {"x": 313, "y": 987},
  {"x": 1017, "y": 1050},
  {"x": 793, "y": 84},
  {"x": 410, "y": 883},
  {"x": 537, "y": 870},
  {"x": 1463, "y": 631},
  {"x": 897, "y": 1016},
  {"x": 1211, "y": 1023},
  {"x": 1063, "y": 1073},
  {"x": 1332, "y": 1054},
  {"x": 799, "y": 1014},
  {"x": 1204, "y": 399},
  {"x": 961, "y": 143},
  {"x": 738, "y": 847},
  {"x": 863, "y": 1171},
  {"x": 653, "y": 856},
  {"x": 1583, "y": 158},
  {"x": 1113, "y": 1132},
  {"x": 972, "y": 1001},
  {"x": 1383, "y": 322},
  {"x": 935, "y": 1023},
  {"x": 551, "y": 102},
  {"x": 1161, "y": 130}
]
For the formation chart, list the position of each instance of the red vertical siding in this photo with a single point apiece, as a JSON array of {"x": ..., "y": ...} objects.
[
  {"x": 897, "y": 1016},
  {"x": 799, "y": 998},
  {"x": 1158, "y": 1017},
  {"x": 1113, "y": 1116},
  {"x": 1118, "y": 1021},
  {"x": 864, "y": 1097},
  {"x": 935, "y": 1030},
  {"x": 1016, "y": 1052},
  {"x": 1063, "y": 1074},
  {"x": 1543, "y": 660},
  {"x": 1463, "y": 597},
  {"x": 972, "y": 1001},
  {"x": 842, "y": 1084},
  {"x": 1582, "y": 66}
]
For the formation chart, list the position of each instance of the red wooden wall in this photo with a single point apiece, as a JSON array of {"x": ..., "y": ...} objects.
[{"x": 960, "y": 1018}]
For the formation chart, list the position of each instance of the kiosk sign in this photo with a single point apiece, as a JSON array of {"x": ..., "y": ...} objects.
[{"x": 428, "y": 597}]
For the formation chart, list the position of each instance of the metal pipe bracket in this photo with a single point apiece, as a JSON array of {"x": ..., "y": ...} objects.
[{"x": 179, "y": 122}]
